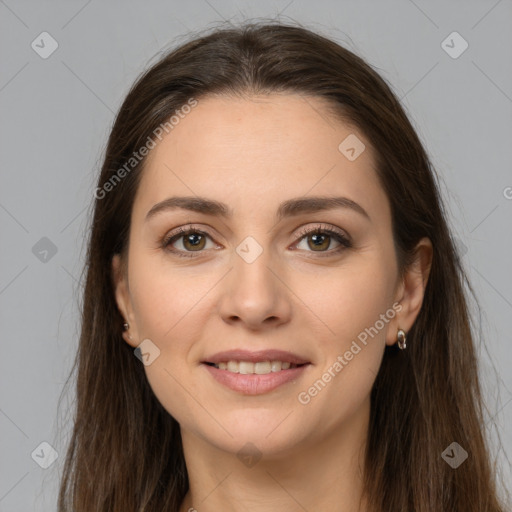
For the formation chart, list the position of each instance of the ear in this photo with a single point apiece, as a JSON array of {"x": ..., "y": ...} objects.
[
  {"x": 411, "y": 290},
  {"x": 123, "y": 300}
]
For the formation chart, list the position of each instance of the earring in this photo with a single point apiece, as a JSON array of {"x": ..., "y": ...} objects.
[
  {"x": 401, "y": 340},
  {"x": 126, "y": 326}
]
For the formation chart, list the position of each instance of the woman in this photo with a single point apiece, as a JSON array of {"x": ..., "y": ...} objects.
[{"x": 269, "y": 241}]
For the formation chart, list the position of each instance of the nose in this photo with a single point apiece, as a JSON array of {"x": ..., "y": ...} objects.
[{"x": 255, "y": 294}]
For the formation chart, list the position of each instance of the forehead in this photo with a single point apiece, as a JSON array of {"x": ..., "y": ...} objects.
[{"x": 259, "y": 150}]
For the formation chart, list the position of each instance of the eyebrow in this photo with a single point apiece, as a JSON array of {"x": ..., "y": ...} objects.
[{"x": 288, "y": 208}]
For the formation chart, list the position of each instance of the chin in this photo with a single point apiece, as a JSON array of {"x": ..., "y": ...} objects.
[{"x": 272, "y": 433}]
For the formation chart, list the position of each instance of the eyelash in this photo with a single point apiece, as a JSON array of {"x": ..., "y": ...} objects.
[{"x": 344, "y": 242}]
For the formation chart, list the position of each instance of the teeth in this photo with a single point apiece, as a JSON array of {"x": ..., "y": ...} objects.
[
  {"x": 233, "y": 366},
  {"x": 245, "y": 367},
  {"x": 276, "y": 366},
  {"x": 259, "y": 368},
  {"x": 263, "y": 367}
]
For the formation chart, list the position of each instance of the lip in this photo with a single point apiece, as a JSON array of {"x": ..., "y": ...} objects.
[
  {"x": 255, "y": 356},
  {"x": 254, "y": 384}
]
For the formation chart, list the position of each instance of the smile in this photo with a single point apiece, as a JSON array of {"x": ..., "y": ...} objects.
[
  {"x": 258, "y": 368},
  {"x": 244, "y": 378}
]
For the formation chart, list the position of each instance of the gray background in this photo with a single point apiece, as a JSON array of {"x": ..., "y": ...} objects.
[{"x": 56, "y": 114}]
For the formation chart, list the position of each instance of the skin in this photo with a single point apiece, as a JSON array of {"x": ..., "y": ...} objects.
[{"x": 252, "y": 154}]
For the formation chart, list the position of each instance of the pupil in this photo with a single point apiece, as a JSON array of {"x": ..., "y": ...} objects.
[
  {"x": 195, "y": 237},
  {"x": 319, "y": 240},
  {"x": 316, "y": 238}
]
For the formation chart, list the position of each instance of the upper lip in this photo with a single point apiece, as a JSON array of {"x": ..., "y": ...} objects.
[{"x": 255, "y": 356}]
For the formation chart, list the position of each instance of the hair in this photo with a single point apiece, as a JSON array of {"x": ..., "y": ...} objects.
[{"x": 125, "y": 450}]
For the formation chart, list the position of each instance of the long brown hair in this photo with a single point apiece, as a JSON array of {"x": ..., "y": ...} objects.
[{"x": 125, "y": 451}]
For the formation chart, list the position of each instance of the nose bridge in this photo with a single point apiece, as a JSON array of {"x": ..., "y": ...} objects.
[
  {"x": 254, "y": 294},
  {"x": 251, "y": 267}
]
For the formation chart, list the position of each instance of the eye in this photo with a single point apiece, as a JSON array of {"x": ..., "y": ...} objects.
[
  {"x": 185, "y": 240},
  {"x": 320, "y": 238}
]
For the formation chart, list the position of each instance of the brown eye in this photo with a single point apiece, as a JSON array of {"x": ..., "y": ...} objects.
[
  {"x": 194, "y": 241},
  {"x": 319, "y": 240},
  {"x": 185, "y": 241}
]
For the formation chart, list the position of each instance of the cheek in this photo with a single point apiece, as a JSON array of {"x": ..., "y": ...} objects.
[
  {"x": 351, "y": 349},
  {"x": 164, "y": 299},
  {"x": 170, "y": 310},
  {"x": 348, "y": 303},
  {"x": 355, "y": 308}
]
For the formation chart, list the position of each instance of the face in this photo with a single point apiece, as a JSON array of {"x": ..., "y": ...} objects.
[{"x": 311, "y": 283}]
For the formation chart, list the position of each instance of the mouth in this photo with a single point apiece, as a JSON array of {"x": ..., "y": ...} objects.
[
  {"x": 255, "y": 373},
  {"x": 259, "y": 362},
  {"x": 258, "y": 368}
]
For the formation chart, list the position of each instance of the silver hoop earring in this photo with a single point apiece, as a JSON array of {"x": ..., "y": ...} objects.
[
  {"x": 401, "y": 340},
  {"x": 126, "y": 326}
]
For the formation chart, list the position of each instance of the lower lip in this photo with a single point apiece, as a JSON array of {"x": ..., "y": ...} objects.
[{"x": 254, "y": 384}]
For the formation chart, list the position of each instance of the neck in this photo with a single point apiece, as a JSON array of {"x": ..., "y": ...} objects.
[{"x": 320, "y": 475}]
